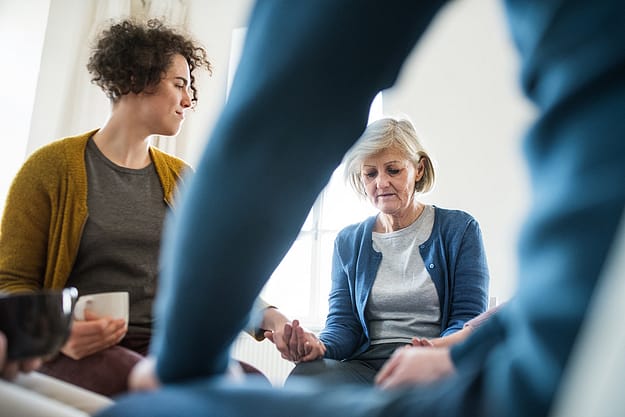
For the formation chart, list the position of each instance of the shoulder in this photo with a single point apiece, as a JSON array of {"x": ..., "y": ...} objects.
[
  {"x": 58, "y": 155},
  {"x": 164, "y": 159},
  {"x": 450, "y": 218}
]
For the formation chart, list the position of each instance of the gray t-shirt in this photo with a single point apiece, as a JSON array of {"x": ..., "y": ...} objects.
[
  {"x": 403, "y": 302},
  {"x": 120, "y": 244}
]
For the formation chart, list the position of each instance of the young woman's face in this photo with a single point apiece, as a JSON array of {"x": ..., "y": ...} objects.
[
  {"x": 389, "y": 179},
  {"x": 163, "y": 107}
]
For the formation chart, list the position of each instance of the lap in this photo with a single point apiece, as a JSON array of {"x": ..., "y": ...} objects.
[
  {"x": 105, "y": 372},
  {"x": 335, "y": 372},
  {"x": 360, "y": 370}
]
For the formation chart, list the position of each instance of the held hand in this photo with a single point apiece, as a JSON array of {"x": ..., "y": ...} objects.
[
  {"x": 280, "y": 338},
  {"x": 9, "y": 370},
  {"x": 143, "y": 375},
  {"x": 295, "y": 343},
  {"x": 309, "y": 347},
  {"x": 414, "y": 365},
  {"x": 93, "y": 335}
]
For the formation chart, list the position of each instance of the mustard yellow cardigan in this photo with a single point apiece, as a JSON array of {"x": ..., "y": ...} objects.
[{"x": 46, "y": 210}]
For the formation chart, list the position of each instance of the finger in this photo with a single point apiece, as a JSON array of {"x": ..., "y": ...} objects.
[
  {"x": 3, "y": 350},
  {"x": 286, "y": 336},
  {"x": 143, "y": 375},
  {"x": 82, "y": 346},
  {"x": 269, "y": 336},
  {"x": 317, "y": 350},
  {"x": 308, "y": 348},
  {"x": 94, "y": 347},
  {"x": 387, "y": 369},
  {"x": 283, "y": 343},
  {"x": 426, "y": 343},
  {"x": 30, "y": 364},
  {"x": 10, "y": 370},
  {"x": 120, "y": 336},
  {"x": 90, "y": 315},
  {"x": 301, "y": 341},
  {"x": 311, "y": 356},
  {"x": 93, "y": 328},
  {"x": 293, "y": 348},
  {"x": 392, "y": 381},
  {"x": 114, "y": 328},
  {"x": 282, "y": 347},
  {"x": 91, "y": 332}
]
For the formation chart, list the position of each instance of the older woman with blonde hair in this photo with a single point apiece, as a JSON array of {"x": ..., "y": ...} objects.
[{"x": 412, "y": 270}]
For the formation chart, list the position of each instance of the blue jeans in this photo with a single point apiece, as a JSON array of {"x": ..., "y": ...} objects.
[{"x": 300, "y": 98}]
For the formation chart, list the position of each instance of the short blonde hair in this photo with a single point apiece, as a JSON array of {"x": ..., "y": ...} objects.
[{"x": 384, "y": 134}]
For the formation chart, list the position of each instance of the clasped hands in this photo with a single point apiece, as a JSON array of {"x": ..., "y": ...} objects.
[
  {"x": 421, "y": 362},
  {"x": 295, "y": 343}
]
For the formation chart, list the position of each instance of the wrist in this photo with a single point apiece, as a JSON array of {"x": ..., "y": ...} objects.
[{"x": 273, "y": 319}]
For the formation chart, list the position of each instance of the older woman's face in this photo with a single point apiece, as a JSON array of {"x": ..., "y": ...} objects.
[{"x": 389, "y": 178}]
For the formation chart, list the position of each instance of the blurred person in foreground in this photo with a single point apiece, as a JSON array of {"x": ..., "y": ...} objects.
[{"x": 301, "y": 118}]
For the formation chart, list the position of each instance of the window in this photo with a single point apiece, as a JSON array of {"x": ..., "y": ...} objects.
[{"x": 301, "y": 283}]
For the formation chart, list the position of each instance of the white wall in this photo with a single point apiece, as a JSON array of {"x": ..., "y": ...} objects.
[
  {"x": 212, "y": 22},
  {"x": 459, "y": 87}
]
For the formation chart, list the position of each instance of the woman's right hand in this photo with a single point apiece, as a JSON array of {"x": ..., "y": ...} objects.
[
  {"x": 93, "y": 335},
  {"x": 9, "y": 369}
]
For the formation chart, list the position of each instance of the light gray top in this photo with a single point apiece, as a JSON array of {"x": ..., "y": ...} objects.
[{"x": 403, "y": 302}]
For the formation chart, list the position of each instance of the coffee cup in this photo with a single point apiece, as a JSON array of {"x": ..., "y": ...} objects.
[
  {"x": 104, "y": 304},
  {"x": 36, "y": 324}
]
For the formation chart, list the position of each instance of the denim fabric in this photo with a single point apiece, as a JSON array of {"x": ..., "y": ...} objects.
[
  {"x": 307, "y": 75},
  {"x": 454, "y": 256}
]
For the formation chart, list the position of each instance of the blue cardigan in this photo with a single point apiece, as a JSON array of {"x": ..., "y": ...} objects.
[{"x": 453, "y": 254}]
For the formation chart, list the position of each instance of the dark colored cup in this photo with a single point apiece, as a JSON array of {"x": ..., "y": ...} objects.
[{"x": 36, "y": 324}]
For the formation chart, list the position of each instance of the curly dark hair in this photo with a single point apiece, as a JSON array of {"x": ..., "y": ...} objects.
[{"x": 131, "y": 56}]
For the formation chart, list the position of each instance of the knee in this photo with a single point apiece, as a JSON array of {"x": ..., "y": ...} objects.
[{"x": 309, "y": 368}]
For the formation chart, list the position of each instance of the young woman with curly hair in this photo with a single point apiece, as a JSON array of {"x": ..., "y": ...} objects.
[{"x": 87, "y": 211}]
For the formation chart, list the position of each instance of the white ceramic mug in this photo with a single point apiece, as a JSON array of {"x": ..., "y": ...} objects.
[{"x": 104, "y": 304}]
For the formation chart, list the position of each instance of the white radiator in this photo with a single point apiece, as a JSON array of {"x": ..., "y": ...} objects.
[{"x": 264, "y": 356}]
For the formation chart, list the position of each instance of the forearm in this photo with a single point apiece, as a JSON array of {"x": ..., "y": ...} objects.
[{"x": 453, "y": 338}]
